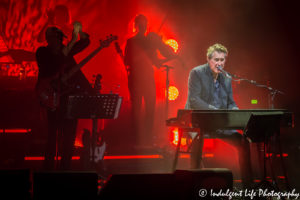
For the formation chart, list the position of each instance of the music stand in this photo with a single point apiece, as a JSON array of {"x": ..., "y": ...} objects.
[
  {"x": 101, "y": 106},
  {"x": 260, "y": 128}
]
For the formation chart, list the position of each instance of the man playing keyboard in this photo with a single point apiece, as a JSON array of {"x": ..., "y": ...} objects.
[{"x": 208, "y": 88}]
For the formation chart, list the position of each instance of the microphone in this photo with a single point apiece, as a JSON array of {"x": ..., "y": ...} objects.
[{"x": 223, "y": 71}]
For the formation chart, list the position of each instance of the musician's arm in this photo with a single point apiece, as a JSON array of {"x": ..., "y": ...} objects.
[
  {"x": 81, "y": 44},
  {"x": 194, "y": 93},
  {"x": 165, "y": 50},
  {"x": 74, "y": 46},
  {"x": 76, "y": 29}
]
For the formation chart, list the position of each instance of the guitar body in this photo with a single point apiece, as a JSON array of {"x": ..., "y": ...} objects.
[{"x": 48, "y": 92}]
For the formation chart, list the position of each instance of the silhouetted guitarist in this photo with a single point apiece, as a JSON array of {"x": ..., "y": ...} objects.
[{"x": 54, "y": 60}]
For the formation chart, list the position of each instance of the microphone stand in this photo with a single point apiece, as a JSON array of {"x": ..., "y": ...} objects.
[
  {"x": 272, "y": 91},
  {"x": 167, "y": 69},
  {"x": 271, "y": 97}
]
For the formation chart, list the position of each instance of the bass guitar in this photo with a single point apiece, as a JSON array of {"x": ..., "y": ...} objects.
[{"x": 49, "y": 90}]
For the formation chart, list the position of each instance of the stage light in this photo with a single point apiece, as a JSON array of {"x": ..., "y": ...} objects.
[
  {"x": 78, "y": 143},
  {"x": 174, "y": 138},
  {"x": 208, "y": 145},
  {"x": 172, "y": 43},
  {"x": 119, "y": 157},
  {"x": 173, "y": 93},
  {"x": 15, "y": 130}
]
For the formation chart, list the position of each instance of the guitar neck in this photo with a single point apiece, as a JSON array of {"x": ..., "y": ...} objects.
[{"x": 81, "y": 64}]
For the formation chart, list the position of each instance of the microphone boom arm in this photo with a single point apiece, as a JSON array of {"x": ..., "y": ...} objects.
[{"x": 272, "y": 91}]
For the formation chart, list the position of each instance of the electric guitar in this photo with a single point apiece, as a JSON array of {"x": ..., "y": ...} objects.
[{"x": 49, "y": 90}]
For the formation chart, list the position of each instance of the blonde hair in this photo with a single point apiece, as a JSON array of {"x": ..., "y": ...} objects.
[{"x": 216, "y": 47}]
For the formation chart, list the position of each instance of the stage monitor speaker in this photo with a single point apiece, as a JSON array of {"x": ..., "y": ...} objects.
[
  {"x": 65, "y": 185},
  {"x": 139, "y": 186},
  {"x": 183, "y": 184},
  {"x": 191, "y": 183},
  {"x": 13, "y": 147},
  {"x": 15, "y": 184}
]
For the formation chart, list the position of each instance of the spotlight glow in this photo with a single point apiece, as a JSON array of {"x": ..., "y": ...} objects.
[
  {"x": 174, "y": 137},
  {"x": 173, "y": 93},
  {"x": 172, "y": 43}
]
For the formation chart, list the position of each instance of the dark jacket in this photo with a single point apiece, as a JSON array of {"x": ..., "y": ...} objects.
[
  {"x": 50, "y": 64},
  {"x": 201, "y": 88}
]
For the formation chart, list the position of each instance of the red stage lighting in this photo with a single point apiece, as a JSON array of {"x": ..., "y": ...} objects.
[
  {"x": 120, "y": 157},
  {"x": 78, "y": 143},
  {"x": 172, "y": 43},
  {"x": 174, "y": 138},
  {"x": 15, "y": 130},
  {"x": 173, "y": 93},
  {"x": 209, "y": 143}
]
